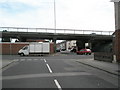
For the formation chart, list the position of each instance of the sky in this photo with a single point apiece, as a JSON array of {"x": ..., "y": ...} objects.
[{"x": 70, "y": 14}]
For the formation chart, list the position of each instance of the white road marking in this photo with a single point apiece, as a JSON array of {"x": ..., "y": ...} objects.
[
  {"x": 22, "y": 59},
  {"x": 57, "y": 84},
  {"x": 49, "y": 68},
  {"x": 45, "y": 60},
  {"x": 44, "y": 75},
  {"x": 16, "y": 60},
  {"x": 35, "y": 59},
  {"x": 29, "y": 59},
  {"x": 41, "y": 59}
]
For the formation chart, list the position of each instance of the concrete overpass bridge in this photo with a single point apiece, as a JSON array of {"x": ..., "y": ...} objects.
[
  {"x": 82, "y": 36},
  {"x": 49, "y": 33}
]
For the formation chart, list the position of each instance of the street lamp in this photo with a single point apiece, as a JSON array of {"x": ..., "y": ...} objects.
[
  {"x": 117, "y": 29},
  {"x": 117, "y": 13},
  {"x": 55, "y": 16}
]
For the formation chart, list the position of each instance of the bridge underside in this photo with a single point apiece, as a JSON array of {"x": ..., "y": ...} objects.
[
  {"x": 95, "y": 41},
  {"x": 51, "y": 36}
]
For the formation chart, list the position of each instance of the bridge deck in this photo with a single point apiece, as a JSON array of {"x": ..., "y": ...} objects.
[
  {"x": 50, "y": 30},
  {"x": 59, "y": 34}
]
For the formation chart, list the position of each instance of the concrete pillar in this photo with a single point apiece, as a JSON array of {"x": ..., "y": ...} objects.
[
  {"x": 90, "y": 45},
  {"x": 54, "y": 41},
  {"x": 22, "y": 39},
  {"x": 6, "y": 39},
  {"x": 117, "y": 15},
  {"x": 80, "y": 44},
  {"x": 94, "y": 46}
]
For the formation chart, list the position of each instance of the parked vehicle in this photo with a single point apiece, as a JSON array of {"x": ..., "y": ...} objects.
[
  {"x": 57, "y": 50},
  {"x": 73, "y": 50},
  {"x": 64, "y": 51},
  {"x": 35, "y": 48},
  {"x": 84, "y": 52}
]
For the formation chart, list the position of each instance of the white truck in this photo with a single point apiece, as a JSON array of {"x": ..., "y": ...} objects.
[{"x": 36, "y": 48}]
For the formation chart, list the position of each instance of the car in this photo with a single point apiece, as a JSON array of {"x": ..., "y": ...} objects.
[
  {"x": 57, "y": 50},
  {"x": 73, "y": 50},
  {"x": 84, "y": 52},
  {"x": 4, "y": 30},
  {"x": 64, "y": 51}
]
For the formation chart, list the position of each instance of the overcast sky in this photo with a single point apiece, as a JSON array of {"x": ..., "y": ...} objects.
[{"x": 70, "y": 14}]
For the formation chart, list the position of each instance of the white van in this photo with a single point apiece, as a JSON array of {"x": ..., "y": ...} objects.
[{"x": 35, "y": 48}]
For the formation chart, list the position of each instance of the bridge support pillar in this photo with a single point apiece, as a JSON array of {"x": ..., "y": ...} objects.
[
  {"x": 54, "y": 41},
  {"x": 94, "y": 46},
  {"x": 80, "y": 44},
  {"x": 22, "y": 39},
  {"x": 6, "y": 39},
  {"x": 90, "y": 45}
]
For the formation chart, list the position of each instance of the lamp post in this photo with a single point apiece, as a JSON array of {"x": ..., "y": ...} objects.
[
  {"x": 55, "y": 16},
  {"x": 54, "y": 39},
  {"x": 117, "y": 29},
  {"x": 117, "y": 13}
]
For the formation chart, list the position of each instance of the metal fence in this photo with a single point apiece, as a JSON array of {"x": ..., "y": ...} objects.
[{"x": 51, "y": 30}]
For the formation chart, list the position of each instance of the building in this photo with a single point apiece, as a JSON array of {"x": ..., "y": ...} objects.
[
  {"x": 70, "y": 44},
  {"x": 66, "y": 45}
]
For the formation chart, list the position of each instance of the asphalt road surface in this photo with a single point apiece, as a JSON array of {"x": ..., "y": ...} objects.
[{"x": 56, "y": 71}]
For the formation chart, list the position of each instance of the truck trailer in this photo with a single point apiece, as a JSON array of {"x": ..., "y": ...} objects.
[{"x": 35, "y": 48}]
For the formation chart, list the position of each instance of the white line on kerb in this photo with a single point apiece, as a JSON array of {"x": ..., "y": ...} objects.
[
  {"x": 49, "y": 68},
  {"x": 57, "y": 84}
]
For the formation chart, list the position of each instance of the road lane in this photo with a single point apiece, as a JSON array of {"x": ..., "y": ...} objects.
[
  {"x": 76, "y": 81},
  {"x": 27, "y": 66},
  {"x": 68, "y": 65},
  {"x": 52, "y": 72},
  {"x": 28, "y": 73},
  {"x": 84, "y": 81},
  {"x": 44, "y": 82}
]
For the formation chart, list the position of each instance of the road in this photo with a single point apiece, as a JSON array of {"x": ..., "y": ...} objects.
[{"x": 57, "y": 71}]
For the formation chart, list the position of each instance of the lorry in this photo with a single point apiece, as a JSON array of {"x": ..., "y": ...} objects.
[{"x": 36, "y": 48}]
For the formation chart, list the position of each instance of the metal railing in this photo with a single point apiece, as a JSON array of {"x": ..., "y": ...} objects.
[{"x": 57, "y": 31}]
